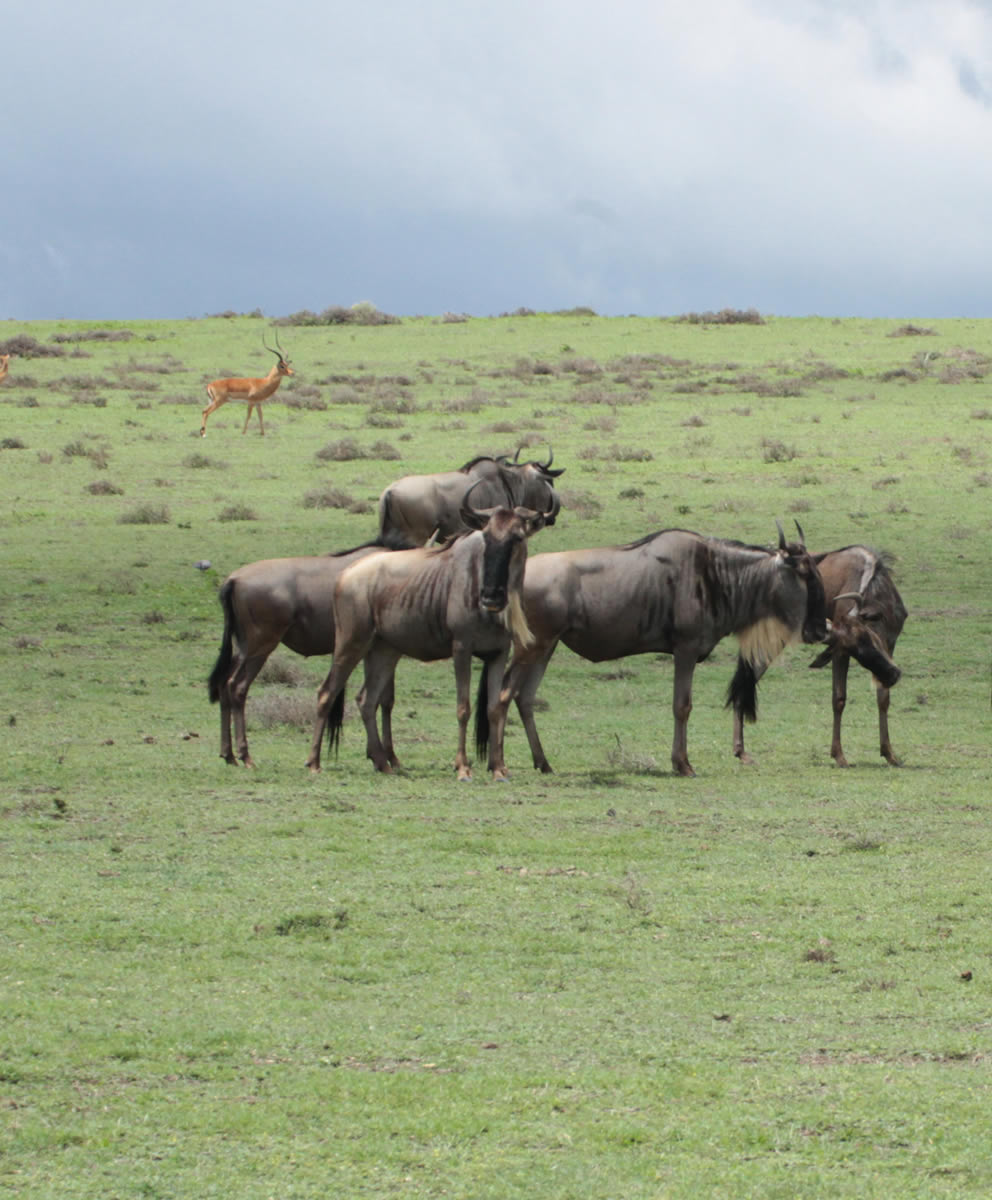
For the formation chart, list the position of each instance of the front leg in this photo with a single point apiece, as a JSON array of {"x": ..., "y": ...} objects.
[
  {"x": 839, "y": 700},
  {"x": 685, "y": 665},
  {"x": 462, "y": 658},
  {"x": 885, "y": 746}
]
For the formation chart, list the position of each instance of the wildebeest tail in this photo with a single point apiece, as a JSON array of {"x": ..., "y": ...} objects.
[
  {"x": 742, "y": 694},
  {"x": 335, "y": 719},
  {"x": 222, "y": 667},
  {"x": 482, "y": 714}
]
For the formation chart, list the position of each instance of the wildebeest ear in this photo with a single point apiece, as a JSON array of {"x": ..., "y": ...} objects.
[{"x": 821, "y": 659}]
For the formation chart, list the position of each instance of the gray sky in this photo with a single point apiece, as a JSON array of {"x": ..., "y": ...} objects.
[{"x": 646, "y": 156}]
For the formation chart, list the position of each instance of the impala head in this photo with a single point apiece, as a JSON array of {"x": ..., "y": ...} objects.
[{"x": 282, "y": 366}]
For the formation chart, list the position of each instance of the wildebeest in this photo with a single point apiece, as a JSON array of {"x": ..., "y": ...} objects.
[
  {"x": 453, "y": 601},
  {"x": 252, "y": 391},
  {"x": 279, "y": 600},
  {"x": 420, "y": 507},
  {"x": 867, "y": 615},
  {"x": 672, "y": 592}
]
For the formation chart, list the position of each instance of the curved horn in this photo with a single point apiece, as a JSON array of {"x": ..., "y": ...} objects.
[
  {"x": 551, "y": 458},
  {"x": 516, "y": 457},
  {"x": 799, "y": 530},
  {"x": 474, "y": 518},
  {"x": 781, "y": 535},
  {"x": 848, "y": 596}
]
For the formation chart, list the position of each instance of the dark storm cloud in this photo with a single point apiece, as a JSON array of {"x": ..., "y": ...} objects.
[{"x": 821, "y": 156}]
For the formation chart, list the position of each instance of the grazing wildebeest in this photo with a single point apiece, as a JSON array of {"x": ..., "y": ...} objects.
[
  {"x": 867, "y": 615},
  {"x": 279, "y": 600},
  {"x": 453, "y": 601},
  {"x": 672, "y": 592},
  {"x": 424, "y": 506},
  {"x": 252, "y": 391}
]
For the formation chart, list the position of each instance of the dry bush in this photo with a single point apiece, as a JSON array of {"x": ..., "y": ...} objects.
[
  {"x": 581, "y": 504},
  {"x": 145, "y": 514},
  {"x": 12, "y": 443},
  {"x": 693, "y": 422},
  {"x": 384, "y": 451},
  {"x": 24, "y": 346},
  {"x": 577, "y": 365},
  {"x": 346, "y": 394},
  {"x": 327, "y": 497},
  {"x": 103, "y": 487},
  {"x": 628, "y": 454},
  {"x": 95, "y": 335},
  {"x": 773, "y": 450},
  {"x": 345, "y": 450},
  {"x": 450, "y": 318},
  {"x": 273, "y": 707},
  {"x": 606, "y": 423},
  {"x": 726, "y": 316},
  {"x": 284, "y": 672},
  {"x": 202, "y": 462},
  {"x": 382, "y": 420},
  {"x": 910, "y": 330},
  {"x": 237, "y": 512}
]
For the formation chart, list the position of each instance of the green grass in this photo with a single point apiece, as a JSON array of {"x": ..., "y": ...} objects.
[{"x": 606, "y": 982}]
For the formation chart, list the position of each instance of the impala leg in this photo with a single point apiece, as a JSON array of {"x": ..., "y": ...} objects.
[
  {"x": 882, "y": 695},
  {"x": 261, "y": 424},
  {"x": 463, "y": 687},
  {"x": 251, "y": 408},
  {"x": 685, "y": 665},
  {"x": 839, "y": 700}
]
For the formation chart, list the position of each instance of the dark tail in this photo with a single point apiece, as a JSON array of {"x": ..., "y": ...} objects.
[
  {"x": 335, "y": 719},
  {"x": 482, "y": 714},
  {"x": 222, "y": 667},
  {"x": 742, "y": 695}
]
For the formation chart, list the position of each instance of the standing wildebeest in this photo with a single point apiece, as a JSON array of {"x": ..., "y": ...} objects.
[
  {"x": 252, "y": 391},
  {"x": 672, "y": 592},
  {"x": 423, "y": 506},
  {"x": 453, "y": 601},
  {"x": 285, "y": 600},
  {"x": 867, "y": 615}
]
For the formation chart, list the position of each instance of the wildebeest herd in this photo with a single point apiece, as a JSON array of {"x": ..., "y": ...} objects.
[{"x": 448, "y": 576}]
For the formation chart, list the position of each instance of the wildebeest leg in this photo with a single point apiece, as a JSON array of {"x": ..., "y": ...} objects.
[
  {"x": 346, "y": 659},
  {"x": 463, "y": 686},
  {"x": 685, "y": 665},
  {"x": 885, "y": 746},
  {"x": 237, "y": 692},
  {"x": 380, "y": 669},
  {"x": 224, "y": 699},
  {"x": 523, "y": 684},
  {"x": 386, "y": 713},
  {"x": 839, "y": 699},
  {"x": 496, "y": 669}
]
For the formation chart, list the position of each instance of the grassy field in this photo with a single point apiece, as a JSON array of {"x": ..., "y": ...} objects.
[{"x": 768, "y": 981}]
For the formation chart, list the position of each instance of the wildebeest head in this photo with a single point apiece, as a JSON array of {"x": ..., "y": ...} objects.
[
  {"x": 852, "y": 632},
  {"x": 815, "y": 623},
  {"x": 505, "y": 532},
  {"x": 535, "y": 484}
]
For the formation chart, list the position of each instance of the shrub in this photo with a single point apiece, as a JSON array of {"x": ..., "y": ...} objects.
[
  {"x": 328, "y": 497},
  {"x": 146, "y": 514},
  {"x": 345, "y": 450},
  {"x": 773, "y": 450},
  {"x": 237, "y": 512},
  {"x": 910, "y": 330},
  {"x": 103, "y": 487},
  {"x": 581, "y": 504},
  {"x": 726, "y": 316},
  {"x": 12, "y": 443},
  {"x": 200, "y": 462},
  {"x": 384, "y": 451},
  {"x": 24, "y": 346}
]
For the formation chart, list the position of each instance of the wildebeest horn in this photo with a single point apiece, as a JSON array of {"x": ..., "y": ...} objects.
[
  {"x": 781, "y": 535},
  {"x": 799, "y": 529},
  {"x": 516, "y": 457},
  {"x": 475, "y": 518},
  {"x": 551, "y": 458}
]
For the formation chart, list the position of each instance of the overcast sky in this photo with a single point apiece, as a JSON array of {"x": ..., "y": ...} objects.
[{"x": 642, "y": 156}]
